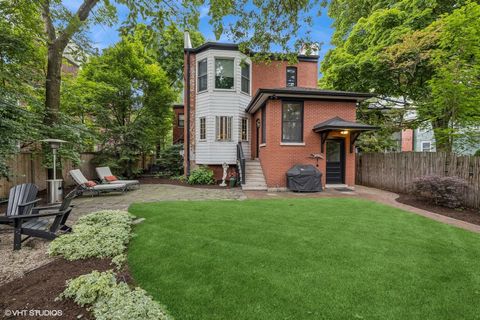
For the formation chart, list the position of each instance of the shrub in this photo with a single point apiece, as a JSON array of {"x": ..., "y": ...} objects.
[
  {"x": 101, "y": 234},
  {"x": 170, "y": 162},
  {"x": 444, "y": 191},
  {"x": 201, "y": 175},
  {"x": 108, "y": 299},
  {"x": 179, "y": 178},
  {"x": 477, "y": 153}
]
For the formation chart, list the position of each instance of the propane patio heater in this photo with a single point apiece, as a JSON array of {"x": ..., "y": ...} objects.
[{"x": 54, "y": 186}]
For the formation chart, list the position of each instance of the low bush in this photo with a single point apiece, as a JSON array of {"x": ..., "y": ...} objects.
[
  {"x": 201, "y": 175},
  {"x": 170, "y": 162},
  {"x": 103, "y": 234},
  {"x": 444, "y": 191},
  {"x": 107, "y": 299}
]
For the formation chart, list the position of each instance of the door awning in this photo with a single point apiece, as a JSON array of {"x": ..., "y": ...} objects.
[{"x": 338, "y": 124}]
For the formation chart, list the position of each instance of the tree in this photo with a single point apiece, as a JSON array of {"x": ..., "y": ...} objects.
[
  {"x": 129, "y": 96},
  {"x": 394, "y": 49}
]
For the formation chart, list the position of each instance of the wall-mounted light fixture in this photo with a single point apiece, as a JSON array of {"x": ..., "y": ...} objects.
[{"x": 344, "y": 132}]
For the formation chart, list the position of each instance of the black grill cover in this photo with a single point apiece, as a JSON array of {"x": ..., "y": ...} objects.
[{"x": 304, "y": 178}]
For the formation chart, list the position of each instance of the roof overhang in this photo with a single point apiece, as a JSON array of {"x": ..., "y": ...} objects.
[
  {"x": 234, "y": 47},
  {"x": 263, "y": 95}
]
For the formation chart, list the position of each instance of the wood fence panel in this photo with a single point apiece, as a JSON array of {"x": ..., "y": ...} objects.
[{"x": 397, "y": 170}]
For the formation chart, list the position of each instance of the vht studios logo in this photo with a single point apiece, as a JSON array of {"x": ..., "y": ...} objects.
[{"x": 32, "y": 313}]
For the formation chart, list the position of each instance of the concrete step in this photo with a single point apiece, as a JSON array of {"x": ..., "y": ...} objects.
[{"x": 251, "y": 187}]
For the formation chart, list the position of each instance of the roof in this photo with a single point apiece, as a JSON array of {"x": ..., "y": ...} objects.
[
  {"x": 263, "y": 95},
  {"x": 234, "y": 47},
  {"x": 338, "y": 123}
]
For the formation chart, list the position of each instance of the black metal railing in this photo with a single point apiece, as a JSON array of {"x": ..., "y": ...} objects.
[{"x": 241, "y": 163}]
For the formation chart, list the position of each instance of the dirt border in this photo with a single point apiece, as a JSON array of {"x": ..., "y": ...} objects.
[{"x": 468, "y": 215}]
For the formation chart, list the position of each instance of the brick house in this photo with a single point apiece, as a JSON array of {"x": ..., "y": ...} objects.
[
  {"x": 270, "y": 114},
  {"x": 178, "y": 124}
]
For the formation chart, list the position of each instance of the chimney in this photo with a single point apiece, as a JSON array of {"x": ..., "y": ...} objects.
[
  {"x": 310, "y": 49},
  {"x": 187, "y": 43}
]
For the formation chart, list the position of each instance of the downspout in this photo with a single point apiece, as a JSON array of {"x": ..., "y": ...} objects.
[{"x": 188, "y": 113}]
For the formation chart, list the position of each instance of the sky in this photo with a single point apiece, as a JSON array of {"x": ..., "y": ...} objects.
[{"x": 103, "y": 36}]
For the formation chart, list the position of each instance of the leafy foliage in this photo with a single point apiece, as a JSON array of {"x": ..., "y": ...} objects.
[
  {"x": 171, "y": 161},
  {"x": 128, "y": 94},
  {"x": 444, "y": 191},
  {"x": 101, "y": 234},
  {"x": 423, "y": 53},
  {"x": 111, "y": 300},
  {"x": 201, "y": 175}
]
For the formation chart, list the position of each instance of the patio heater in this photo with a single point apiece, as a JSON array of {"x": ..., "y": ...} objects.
[{"x": 54, "y": 186}]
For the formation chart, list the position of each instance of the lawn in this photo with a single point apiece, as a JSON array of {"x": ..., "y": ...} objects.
[{"x": 303, "y": 259}]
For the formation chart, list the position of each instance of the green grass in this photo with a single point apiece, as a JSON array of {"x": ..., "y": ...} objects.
[{"x": 304, "y": 259}]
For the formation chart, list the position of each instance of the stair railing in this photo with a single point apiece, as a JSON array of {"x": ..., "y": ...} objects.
[{"x": 241, "y": 163}]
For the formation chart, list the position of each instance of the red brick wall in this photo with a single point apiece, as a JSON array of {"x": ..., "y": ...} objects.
[
  {"x": 178, "y": 132},
  {"x": 276, "y": 159},
  {"x": 193, "y": 89},
  {"x": 407, "y": 140},
  {"x": 274, "y": 74}
]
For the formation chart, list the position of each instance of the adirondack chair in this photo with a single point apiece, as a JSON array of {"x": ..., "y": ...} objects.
[
  {"x": 105, "y": 174},
  {"x": 39, "y": 222},
  {"x": 83, "y": 186},
  {"x": 21, "y": 200}
]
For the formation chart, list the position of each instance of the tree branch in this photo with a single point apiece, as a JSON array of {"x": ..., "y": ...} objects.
[
  {"x": 73, "y": 25},
  {"x": 49, "y": 27}
]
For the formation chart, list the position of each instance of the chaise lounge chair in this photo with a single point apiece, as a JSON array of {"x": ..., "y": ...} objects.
[
  {"x": 105, "y": 174},
  {"x": 39, "y": 222},
  {"x": 85, "y": 185},
  {"x": 21, "y": 200}
]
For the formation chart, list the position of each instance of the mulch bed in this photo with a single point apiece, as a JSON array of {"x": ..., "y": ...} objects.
[
  {"x": 155, "y": 180},
  {"x": 467, "y": 215},
  {"x": 38, "y": 289}
]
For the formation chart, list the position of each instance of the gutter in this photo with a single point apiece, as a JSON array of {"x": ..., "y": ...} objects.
[{"x": 188, "y": 113}]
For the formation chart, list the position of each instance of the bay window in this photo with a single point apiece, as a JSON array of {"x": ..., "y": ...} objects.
[
  {"x": 224, "y": 70},
  {"x": 246, "y": 78},
  {"x": 202, "y": 75},
  {"x": 223, "y": 128}
]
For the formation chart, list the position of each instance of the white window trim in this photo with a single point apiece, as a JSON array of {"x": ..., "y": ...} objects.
[
  {"x": 217, "y": 128},
  {"x": 200, "y": 129},
  {"x": 249, "y": 93},
  {"x": 241, "y": 129},
  {"x": 215, "y": 74},
  {"x": 198, "y": 90},
  {"x": 426, "y": 141}
]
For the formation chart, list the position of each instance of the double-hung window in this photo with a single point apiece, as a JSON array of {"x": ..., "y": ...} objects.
[
  {"x": 244, "y": 129},
  {"x": 426, "y": 146},
  {"x": 224, "y": 70},
  {"x": 292, "y": 122},
  {"x": 202, "y": 75},
  {"x": 223, "y": 128},
  {"x": 203, "y": 129},
  {"x": 291, "y": 76},
  {"x": 181, "y": 120},
  {"x": 246, "y": 78}
]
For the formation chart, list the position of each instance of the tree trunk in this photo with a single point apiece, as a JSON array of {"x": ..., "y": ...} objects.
[
  {"x": 443, "y": 140},
  {"x": 52, "y": 85}
]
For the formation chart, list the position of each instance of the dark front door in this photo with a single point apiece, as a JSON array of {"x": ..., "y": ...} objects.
[{"x": 335, "y": 161}]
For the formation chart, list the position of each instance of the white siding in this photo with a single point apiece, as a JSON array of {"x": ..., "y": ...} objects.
[{"x": 215, "y": 102}]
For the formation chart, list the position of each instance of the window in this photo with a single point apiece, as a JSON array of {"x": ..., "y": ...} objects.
[
  {"x": 246, "y": 78},
  {"x": 264, "y": 125},
  {"x": 291, "y": 76},
  {"x": 244, "y": 130},
  {"x": 181, "y": 120},
  {"x": 223, "y": 73},
  {"x": 292, "y": 122},
  {"x": 203, "y": 129},
  {"x": 224, "y": 128},
  {"x": 426, "y": 146},
  {"x": 202, "y": 75}
]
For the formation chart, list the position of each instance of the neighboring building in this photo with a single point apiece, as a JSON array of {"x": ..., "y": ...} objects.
[
  {"x": 272, "y": 113},
  {"x": 178, "y": 124}
]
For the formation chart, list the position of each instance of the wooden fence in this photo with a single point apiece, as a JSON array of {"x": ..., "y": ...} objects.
[
  {"x": 27, "y": 167},
  {"x": 396, "y": 171}
]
